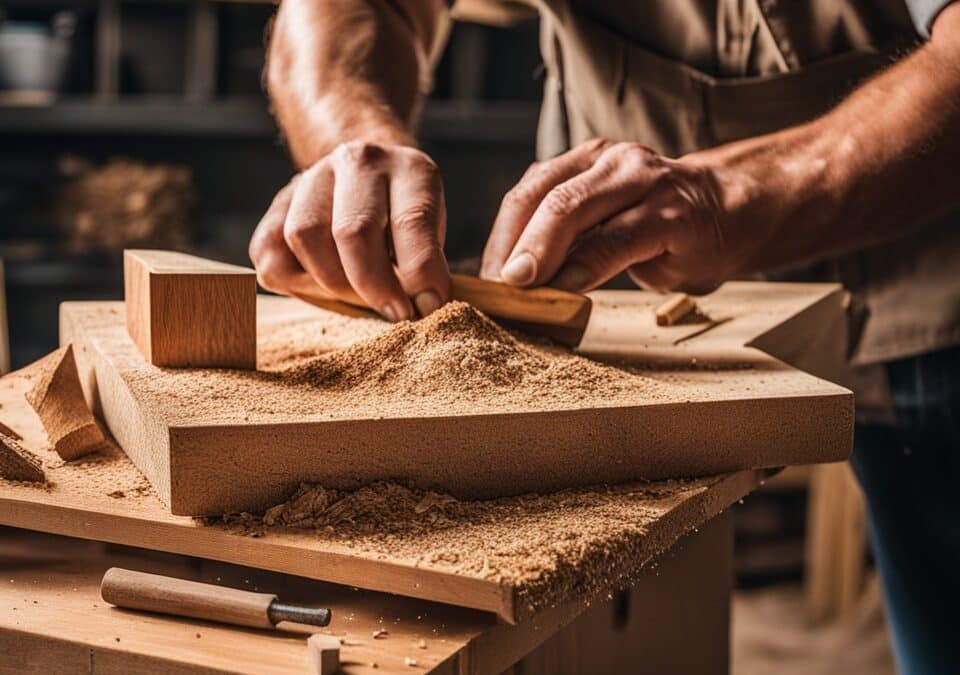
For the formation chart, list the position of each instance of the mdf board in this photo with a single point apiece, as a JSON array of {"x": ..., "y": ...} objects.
[
  {"x": 186, "y": 311},
  {"x": 104, "y": 497},
  {"x": 720, "y": 406}
]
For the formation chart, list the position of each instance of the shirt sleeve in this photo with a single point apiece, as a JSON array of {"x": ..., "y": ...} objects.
[{"x": 923, "y": 12}]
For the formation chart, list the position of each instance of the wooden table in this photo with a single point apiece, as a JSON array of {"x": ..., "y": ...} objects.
[{"x": 53, "y": 620}]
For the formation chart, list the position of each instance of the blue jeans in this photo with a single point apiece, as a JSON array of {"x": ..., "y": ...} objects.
[{"x": 911, "y": 476}]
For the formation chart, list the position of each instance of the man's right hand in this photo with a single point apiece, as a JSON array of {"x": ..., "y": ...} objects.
[{"x": 366, "y": 224}]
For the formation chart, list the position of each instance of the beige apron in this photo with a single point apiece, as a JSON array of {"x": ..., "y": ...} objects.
[{"x": 684, "y": 75}]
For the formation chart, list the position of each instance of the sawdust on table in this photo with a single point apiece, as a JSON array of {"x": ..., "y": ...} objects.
[
  {"x": 454, "y": 362},
  {"x": 550, "y": 547}
]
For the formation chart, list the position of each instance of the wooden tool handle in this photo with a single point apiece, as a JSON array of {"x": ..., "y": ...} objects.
[
  {"x": 535, "y": 305},
  {"x": 167, "y": 595}
]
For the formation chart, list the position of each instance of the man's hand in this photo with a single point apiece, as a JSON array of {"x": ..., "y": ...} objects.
[
  {"x": 366, "y": 224},
  {"x": 579, "y": 219},
  {"x": 880, "y": 165}
]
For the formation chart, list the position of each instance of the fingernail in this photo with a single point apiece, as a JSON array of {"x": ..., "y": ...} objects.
[
  {"x": 427, "y": 302},
  {"x": 520, "y": 270},
  {"x": 389, "y": 312},
  {"x": 571, "y": 278}
]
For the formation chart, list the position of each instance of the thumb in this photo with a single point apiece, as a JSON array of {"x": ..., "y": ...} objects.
[{"x": 628, "y": 238}]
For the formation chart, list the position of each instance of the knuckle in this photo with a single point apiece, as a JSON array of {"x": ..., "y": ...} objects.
[
  {"x": 358, "y": 152},
  {"x": 519, "y": 196},
  {"x": 297, "y": 231},
  {"x": 419, "y": 266},
  {"x": 270, "y": 277},
  {"x": 595, "y": 145},
  {"x": 419, "y": 217},
  {"x": 355, "y": 227},
  {"x": 564, "y": 199}
]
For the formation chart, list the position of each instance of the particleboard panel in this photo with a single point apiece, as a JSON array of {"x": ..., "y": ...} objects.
[
  {"x": 104, "y": 497},
  {"x": 706, "y": 404}
]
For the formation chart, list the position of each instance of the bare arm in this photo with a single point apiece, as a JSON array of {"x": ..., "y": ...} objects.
[
  {"x": 881, "y": 164},
  {"x": 345, "y": 78},
  {"x": 349, "y": 69}
]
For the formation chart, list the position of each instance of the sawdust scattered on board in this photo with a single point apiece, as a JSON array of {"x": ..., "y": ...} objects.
[
  {"x": 551, "y": 547},
  {"x": 456, "y": 361}
]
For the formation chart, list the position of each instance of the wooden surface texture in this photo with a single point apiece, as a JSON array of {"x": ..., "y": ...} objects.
[
  {"x": 720, "y": 406},
  {"x": 104, "y": 497},
  {"x": 55, "y": 621}
]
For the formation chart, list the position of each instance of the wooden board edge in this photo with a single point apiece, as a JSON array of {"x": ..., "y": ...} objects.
[{"x": 210, "y": 542}]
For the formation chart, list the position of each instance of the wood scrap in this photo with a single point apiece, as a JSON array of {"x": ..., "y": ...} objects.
[
  {"x": 674, "y": 309},
  {"x": 323, "y": 652},
  {"x": 10, "y": 433},
  {"x": 57, "y": 397},
  {"x": 121, "y": 204},
  {"x": 18, "y": 463}
]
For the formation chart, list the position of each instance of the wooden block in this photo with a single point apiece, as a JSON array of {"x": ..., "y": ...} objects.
[
  {"x": 184, "y": 311},
  {"x": 323, "y": 654},
  {"x": 18, "y": 463},
  {"x": 674, "y": 309},
  {"x": 57, "y": 397}
]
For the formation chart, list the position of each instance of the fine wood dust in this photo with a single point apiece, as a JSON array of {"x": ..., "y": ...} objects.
[
  {"x": 454, "y": 362},
  {"x": 553, "y": 548}
]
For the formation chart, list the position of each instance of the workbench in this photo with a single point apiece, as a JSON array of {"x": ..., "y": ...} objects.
[
  {"x": 53, "y": 620},
  {"x": 673, "y": 551}
]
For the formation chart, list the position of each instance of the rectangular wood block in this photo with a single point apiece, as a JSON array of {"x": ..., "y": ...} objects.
[
  {"x": 247, "y": 451},
  {"x": 185, "y": 311}
]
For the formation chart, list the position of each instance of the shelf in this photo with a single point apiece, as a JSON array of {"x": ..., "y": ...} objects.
[{"x": 443, "y": 121}]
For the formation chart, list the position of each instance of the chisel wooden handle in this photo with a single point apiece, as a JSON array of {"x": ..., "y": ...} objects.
[
  {"x": 561, "y": 315},
  {"x": 166, "y": 595}
]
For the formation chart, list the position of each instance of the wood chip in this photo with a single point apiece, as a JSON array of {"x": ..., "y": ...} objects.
[
  {"x": 9, "y": 433},
  {"x": 18, "y": 463},
  {"x": 674, "y": 309},
  {"x": 58, "y": 399}
]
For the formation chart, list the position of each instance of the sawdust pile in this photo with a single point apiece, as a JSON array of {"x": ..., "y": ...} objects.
[
  {"x": 454, "y": 350},
  {"x": 552, "y": 547}
]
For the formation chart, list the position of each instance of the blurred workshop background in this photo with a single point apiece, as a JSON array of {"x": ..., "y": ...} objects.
[{"x": 143, "y": 123}]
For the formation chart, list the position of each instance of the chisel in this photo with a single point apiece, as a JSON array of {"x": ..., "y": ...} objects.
[
  {"x": 168, "y": 595},
  {"x": 544, "y": 311}
]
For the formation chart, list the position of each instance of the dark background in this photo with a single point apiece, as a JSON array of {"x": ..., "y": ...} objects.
[{"x": 182, "y": 86}]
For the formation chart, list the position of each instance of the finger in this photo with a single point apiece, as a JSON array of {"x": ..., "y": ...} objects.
[
  {"x": 359, "y": 222},
  {"x": 632, "y": 236},
  {"x": 621, "y": 177},
  {"x": 652, "y": 275},
  {"x": 306, "y": 232},
  {"x": 417, "y": 225},
  {"x": 277, "y": 268},
  {"x": 522, "y": 201}
]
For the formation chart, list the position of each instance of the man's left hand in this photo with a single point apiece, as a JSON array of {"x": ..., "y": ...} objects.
[{"x": 579, "y": 219}]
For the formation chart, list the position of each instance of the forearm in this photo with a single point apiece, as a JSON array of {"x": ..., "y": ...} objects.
[
  {"x": 349, "y": 69},
  {"x": 881, "y": 164}
]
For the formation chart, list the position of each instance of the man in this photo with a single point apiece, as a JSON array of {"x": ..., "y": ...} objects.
[{"x": 686, "y": 142}]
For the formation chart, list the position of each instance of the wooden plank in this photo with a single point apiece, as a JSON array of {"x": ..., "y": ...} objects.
[
  {"x": 185, "y": 311},
  {"x": 107, "y": 499},
  {"x": 706, "y": 405},
  {"x": 56, "y": 620}
]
